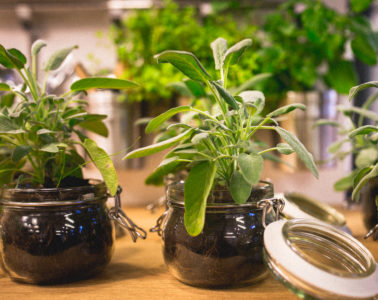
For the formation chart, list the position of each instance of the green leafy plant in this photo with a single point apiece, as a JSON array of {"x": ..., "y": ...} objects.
[
  {"x": 362, "y": 140},
  {"x": 213, "y": 146},
  {"x": 304, "y": 43},
  {"x": 39, "y": 129},
  {"x": 144, "y": 33}
]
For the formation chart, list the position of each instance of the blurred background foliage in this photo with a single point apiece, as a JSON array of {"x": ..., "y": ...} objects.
[
  {"x": 144, "y": 33},
  {"x": 304, "y": 44}
]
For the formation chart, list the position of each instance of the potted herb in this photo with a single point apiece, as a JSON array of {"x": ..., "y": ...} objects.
[
  {"x": 303, "y": 46},
  {"x": 213, "y": 232},
  {"x": 54, "y": 223},
  {"x": 362, "y": 140}
]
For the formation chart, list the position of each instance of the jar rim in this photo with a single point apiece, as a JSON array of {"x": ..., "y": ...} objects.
[
  {"x": 263, "y": 186},
  {"x": 29, "y": 197}
]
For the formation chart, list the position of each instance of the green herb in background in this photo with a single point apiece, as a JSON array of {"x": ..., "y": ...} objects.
[
  {"x": 362, "y": 140},
  {"x": 304, "y": 43},
  {"x": 146, "y": 32}
]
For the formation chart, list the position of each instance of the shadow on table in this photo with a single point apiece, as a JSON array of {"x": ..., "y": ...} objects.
[{"x": 113, "y": 272}]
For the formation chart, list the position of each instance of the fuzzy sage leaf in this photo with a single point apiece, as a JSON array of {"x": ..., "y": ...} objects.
[
  {"x": 196, "y": 190},
  {"x": 251, "y": 166},
  {"x": 186, "y": 62},
  {"x": 102, "y": 83},
  {"x": 303, "y": 154},
  {"x": 104, "y": 164},
  {"x": 240, "y": 188},
  {"x": 56, "y": 60},
  {"x": 154, "y": 148},
  {"x": 219, "y": 47}
]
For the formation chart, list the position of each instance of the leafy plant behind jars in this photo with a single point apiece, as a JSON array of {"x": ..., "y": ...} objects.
[
  {"x": 213, "y": 145},
  {"x": 362, "y": 140},
  {"x": 144, "y": 33},
  {"x": 38, "y": 131},
  {"x": 304, "y": 44}
]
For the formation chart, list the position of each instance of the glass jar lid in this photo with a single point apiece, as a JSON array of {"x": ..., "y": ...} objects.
[
  {"x": 315, "y": 259},
  {"x": 301, "y": 206}
]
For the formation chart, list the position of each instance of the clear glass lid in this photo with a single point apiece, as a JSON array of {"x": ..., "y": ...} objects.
[{"x": 315, "y": 259}]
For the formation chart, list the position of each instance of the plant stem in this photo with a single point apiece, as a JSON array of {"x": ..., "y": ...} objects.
[
  {"x": 260, "y": 126},
  {"x": 267, "y": 150}
]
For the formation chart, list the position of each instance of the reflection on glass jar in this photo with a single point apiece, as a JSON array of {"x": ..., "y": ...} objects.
[
  {"x": 55, "y": 235},
  {"x": 228, "y": 251}
]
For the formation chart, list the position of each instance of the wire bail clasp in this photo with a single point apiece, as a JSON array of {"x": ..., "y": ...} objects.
[
  {"x": 159, "y": 222},
  {"x": 117, "y": 214},
  {"x": 277, "y": 203}
]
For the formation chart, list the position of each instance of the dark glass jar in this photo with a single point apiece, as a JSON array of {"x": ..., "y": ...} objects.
[
  {"x": 55, "y": 235},
  {"x": 228, "y": 251},
  {"x": 369, "y": 193}
]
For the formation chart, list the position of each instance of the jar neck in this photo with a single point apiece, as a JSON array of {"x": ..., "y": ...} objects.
[
  {"x": 94, "y": 192},
  {"x": 220, "y": 196}
]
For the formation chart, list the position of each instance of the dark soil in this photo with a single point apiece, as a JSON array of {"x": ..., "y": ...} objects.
[
  {"x": 227, "y": 253},
  {"x": 47, "y": 245}
]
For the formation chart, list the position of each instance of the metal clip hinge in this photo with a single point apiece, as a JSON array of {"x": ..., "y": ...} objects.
[{"x": 119, "y": 216}]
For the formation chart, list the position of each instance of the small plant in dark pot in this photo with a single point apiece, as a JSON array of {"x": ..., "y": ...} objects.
[
  {"x": 54, "y": 225},
  {"x": 213, "y": 229}
]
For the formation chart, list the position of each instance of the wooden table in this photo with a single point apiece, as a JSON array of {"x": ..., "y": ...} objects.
[{"x": 137, "y": 271}]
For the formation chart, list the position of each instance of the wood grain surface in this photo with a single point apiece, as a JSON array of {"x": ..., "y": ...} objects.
[{"x": 137, "y": 271}]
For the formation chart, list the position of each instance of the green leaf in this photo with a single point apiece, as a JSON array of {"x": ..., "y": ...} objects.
[
  {"x": 363, "y": 112},
  {"x": 335, "y": 146},
  {"x": 181, "y": 88},
  {"x": 10, "y": 61},
  {"x": 195, "y": 88},
  {"x": 233, "y": 54},
  {"x": 226, "y": 96},
  {"x": 16, "y": 53},
  {"x": 344, "y": 183},
  {"x": 167, "y": 166},
  {"x": 37, "y": 46},
  {"x": 363, "y": 130},
  {"x": 159, "y": 120},
  {"x": 253, "y": 99},
  {"x": 286, "y": 109},
  {"x": 19, "y": 152},
  {"x": 4, "y": 87},
  {"x": 240, "y": 189},
  {"x": 186, "y": 62},
  {"x": 44, "y": 131},
  {"x": 323, "y": 122},
  {"x": 196, "y": 190},
  {"x": 57, "y": 58},
  {"x": 359, "y": 6},
  {"x": 154, "y": 148},
  {"x": 366, "y": 157},
  {"x": 363, "y": 50},
  {"x": 341, "y": 76},
  {"x": 102, "y": 83},
  {"x": 96, "y": 127},
  {"x": 104, "y": 164},
  {"x": 51, "y": 148},
  {"x": 219, "y": 47},
  {"x": 302, "y": 152},
  {"x": 373, "y": 173},
  {"x": 197, "y": 138},
  {"x": 354, "y": 90},
  {"x": 284, "y": 149},
  {"x": 6, "y": 124},
  {"x": 251, "y": 83},
  {"x": 251, "y": 166}
]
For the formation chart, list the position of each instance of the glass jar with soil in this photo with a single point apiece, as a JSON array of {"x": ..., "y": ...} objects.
[
  {"x": 228, "y": 252},
  {"x": 55, "y": 235}
]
